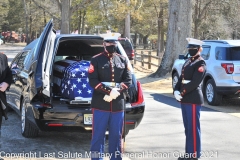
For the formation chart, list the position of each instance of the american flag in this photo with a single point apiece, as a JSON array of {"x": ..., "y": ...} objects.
[{"x": 75, "y": 81}]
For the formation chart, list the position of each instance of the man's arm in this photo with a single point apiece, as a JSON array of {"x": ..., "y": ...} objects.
[
  {"x": 93, "y": 78},
  {"x": 126, "y": 78}
]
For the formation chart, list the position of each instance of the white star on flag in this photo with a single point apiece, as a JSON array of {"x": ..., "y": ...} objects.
[
  {"x": 89, "y": 91},
  {"x": 84, "y": 85},
  {"x": 79, "y": 80},
  {"x": 83, "y": 74},
  {"x": 74, "y": 85},
  {"x": 79, "y": 91}
]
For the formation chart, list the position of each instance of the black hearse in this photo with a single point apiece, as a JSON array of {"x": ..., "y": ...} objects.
[{"x": 35, "y": 96}]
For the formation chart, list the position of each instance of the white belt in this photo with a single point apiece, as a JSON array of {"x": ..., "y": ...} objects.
[
  {"x": 185, "y": 81},
  {"x": 113, "y": 84}
]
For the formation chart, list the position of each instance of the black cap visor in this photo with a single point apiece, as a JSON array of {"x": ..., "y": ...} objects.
[
  {"x": 110, "y": 41},
  {"x": 193, "y": 46}
]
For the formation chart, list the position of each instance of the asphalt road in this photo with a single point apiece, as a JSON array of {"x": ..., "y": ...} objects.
[{"x": 159, "y": 136}]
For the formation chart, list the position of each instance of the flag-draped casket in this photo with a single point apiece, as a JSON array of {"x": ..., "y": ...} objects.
[{"x": 72, "y": 78}]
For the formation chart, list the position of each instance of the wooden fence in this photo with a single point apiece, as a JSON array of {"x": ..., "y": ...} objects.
[{"x": 147, "y": 59}]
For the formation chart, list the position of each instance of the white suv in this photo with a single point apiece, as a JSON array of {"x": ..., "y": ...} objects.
[{"x": 223, "y": 69}]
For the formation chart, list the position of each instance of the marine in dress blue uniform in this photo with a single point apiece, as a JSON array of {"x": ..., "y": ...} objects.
[
  {"x": 110, "y": 77},
  {"x": 189, "y": 93},
  {"x": 5, "y": 82}
]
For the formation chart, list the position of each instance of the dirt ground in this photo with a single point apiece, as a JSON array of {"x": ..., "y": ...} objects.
[{"x": 158, "y": 85}]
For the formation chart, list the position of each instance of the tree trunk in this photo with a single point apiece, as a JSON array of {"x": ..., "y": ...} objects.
[
  {"x": 65, "y": 24},
  {"x": 127, "y": 22},
  {"x": 160, "y": 28},
  {"x": 162, "y": 45},
  {"x": 179, "y": 28},
  {"x": 79, "y": 21},
  {"x": 135, "y": 40},
  {"x": 145, "y": 41},
  {"x": 83, "y": 21},
  {"x": 26, "y": 18}
]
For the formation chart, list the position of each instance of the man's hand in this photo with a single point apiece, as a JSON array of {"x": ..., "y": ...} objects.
[
  {"x": 114, "y": 93},
  {"x": 107, "y": 98},
  {"x": 177, "y": 95},
  {"x": 3, "y": 86}
]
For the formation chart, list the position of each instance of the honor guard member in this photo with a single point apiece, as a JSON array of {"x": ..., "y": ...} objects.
[
  {"x": 189, "y": 93},
  {"x": 5, "y": 82},
  {"x": 110, "y": 77}
]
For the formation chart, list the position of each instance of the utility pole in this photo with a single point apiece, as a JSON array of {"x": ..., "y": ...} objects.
[{"x": 127, "y": 22}]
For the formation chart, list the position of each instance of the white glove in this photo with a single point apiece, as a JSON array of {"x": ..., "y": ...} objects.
[
  {"x": 114, "y": 93},
  {"x": 177, "y": 95},
  {"x": 107, "y": 98},
  {"x": 3, "y": 86}
]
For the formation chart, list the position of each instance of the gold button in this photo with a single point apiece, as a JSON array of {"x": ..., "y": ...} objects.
[{"x": 113, "y": 80}]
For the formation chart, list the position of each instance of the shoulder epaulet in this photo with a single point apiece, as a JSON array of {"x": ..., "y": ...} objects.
[{"x": 97, "y": 55}]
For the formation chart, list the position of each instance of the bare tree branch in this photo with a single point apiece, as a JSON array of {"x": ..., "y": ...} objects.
[
  {"x": 59, "y": 4},
  {"x": 204, "y": 9},
  {"x": 155, "y": 6},
  {"x": 46, "y": 10},
  {"x": 83, "y": 4}
]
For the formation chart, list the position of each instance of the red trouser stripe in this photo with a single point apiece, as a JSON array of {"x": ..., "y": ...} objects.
[
  {"x": 92, "y": 122},
  {"x": 194, "y": 128}
]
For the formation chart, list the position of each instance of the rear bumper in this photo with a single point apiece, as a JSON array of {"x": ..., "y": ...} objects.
[
  {"x": 229, "y": 91},
  {"x": 73, "y": 119}
]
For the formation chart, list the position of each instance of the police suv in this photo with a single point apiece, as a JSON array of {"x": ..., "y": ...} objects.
[{"x": 222, "y": 77}]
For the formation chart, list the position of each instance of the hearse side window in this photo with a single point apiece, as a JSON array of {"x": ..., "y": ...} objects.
[
  {"x": 28, "y": 60},
  {"x": 22, "y": 59},
  {"x": 15, "y": 61}
]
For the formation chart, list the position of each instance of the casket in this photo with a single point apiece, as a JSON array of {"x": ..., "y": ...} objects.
[{"x": 71, "y": 76}]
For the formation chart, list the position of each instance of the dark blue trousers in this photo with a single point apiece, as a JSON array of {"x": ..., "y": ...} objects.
[
  {"x": 113, "y": 121},
  {"x": 191, "y": 121}
]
